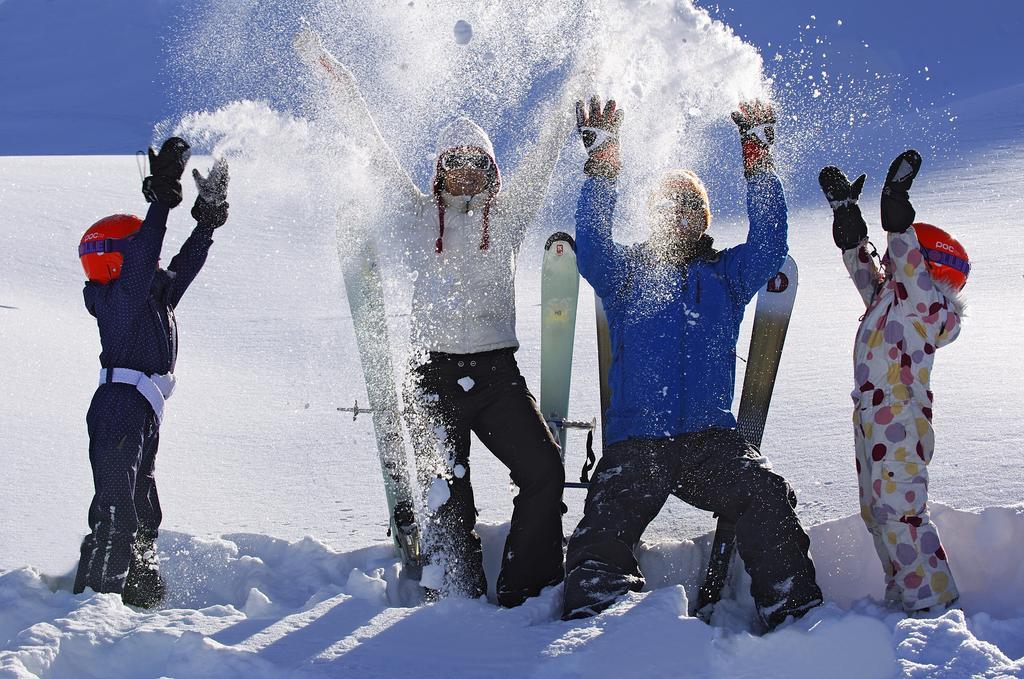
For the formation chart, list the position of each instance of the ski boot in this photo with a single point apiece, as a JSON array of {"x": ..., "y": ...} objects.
[{"x": 143, "y": 586}]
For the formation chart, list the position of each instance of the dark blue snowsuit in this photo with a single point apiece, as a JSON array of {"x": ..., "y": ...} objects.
[{"x": 135, "y": 315}]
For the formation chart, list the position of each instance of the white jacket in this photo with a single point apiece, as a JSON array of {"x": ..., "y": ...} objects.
[{"x": 464, "y": 295}]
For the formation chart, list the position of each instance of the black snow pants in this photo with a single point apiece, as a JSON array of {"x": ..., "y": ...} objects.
[
  {"x": 715, "y": 470},
  {"x": 450, "y": 396},
  {"x": 123, "y": 439}
]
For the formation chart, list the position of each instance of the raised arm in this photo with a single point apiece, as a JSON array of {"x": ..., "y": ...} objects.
[
  {"x": 600, "y": 260},
  {"x": 186, "y": 264},
  {"x": 751, "y": 264},
  {"x": 863, "y": 270},
  {"x": 210, "y": 212},
  {"x": 849, "y": 231},
  {"x": 935, "y": 315},
  {"x": 526, "y": 189},
  {"x": 141, "y": 254},
  {"x": 352, "y": 108},
  {"x": 754, "y": 262},
  {"x": 162, "y": 189}
]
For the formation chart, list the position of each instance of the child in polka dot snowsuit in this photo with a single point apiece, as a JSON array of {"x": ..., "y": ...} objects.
[{"x": 908, "y": 317}]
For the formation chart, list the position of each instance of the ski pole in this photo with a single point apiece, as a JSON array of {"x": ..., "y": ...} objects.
[
  {"x": 355, "y": 410},
  {"x": 562, "y": 423}
]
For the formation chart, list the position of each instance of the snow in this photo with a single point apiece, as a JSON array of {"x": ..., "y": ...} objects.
[
  {"x": 274, "y": 542},
  {"x": 438, "y": 494},
  {"x": 255, "y": 606}
]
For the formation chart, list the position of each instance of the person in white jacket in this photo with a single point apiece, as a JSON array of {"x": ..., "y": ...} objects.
[{"x": 463, "y": 238}]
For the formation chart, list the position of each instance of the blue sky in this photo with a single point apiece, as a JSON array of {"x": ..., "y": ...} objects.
[
  {"x": 969, "y": 48},
  {"x": 101, "y": 84}
]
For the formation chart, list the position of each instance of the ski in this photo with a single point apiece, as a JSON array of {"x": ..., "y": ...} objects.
[
  {"x": 559, "y": 294},
  {"x": 771, "y": 321},
  {"x": 366, "y": 301}
]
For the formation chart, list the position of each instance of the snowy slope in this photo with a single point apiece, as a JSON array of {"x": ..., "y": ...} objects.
[{"x": 265, "y": 332}]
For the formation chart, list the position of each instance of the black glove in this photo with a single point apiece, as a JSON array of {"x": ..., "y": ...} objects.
[
  {"x": 600, "y": 133},
  {"x": 848, "y": 227},
  {"x": 897, "y": 212},
  {"x": 211, "y": 207},
  {"x": 164, "y": 183},
  {"x": 756, "y": 120}
]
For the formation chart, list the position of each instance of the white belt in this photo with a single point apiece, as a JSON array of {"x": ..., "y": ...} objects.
[{"x": 154, "y": 388}]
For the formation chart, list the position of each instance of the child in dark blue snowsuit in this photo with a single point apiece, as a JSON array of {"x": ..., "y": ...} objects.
[{"x": 138, "y": 336}]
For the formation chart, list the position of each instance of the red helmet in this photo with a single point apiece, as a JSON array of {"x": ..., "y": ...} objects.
[
  {"x": 102, "y": 244},
  {"x": 947, "y": 258}
]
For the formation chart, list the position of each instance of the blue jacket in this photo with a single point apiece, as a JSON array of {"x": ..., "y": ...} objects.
[
  {"x": 135, "y": 312},
  {"x": 674, "y": 328}
]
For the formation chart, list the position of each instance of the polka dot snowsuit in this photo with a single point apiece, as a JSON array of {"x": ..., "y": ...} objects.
[{"x": 907, "y": 319}]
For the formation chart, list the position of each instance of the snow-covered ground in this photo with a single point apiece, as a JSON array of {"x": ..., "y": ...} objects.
[
  {"x": 247, "y": 605},
  {"x": 274, "y": 535}
]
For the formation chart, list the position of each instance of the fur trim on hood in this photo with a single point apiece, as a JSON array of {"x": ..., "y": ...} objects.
[{"x": 956, "y": 297}]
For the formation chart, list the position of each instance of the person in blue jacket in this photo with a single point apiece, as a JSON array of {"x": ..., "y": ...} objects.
[
  {"x": 133, "y": 301},
  {"x": 674, "y": 305}
]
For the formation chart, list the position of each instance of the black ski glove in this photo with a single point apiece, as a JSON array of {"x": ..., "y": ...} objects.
[
  {"x": 897, "y": 212},
  {"x": 756, "y": 120},
  {"x": 164, "y": 183},
  {"x": 599, "y": 130},
  {"x": 211, "y": 207},
  {"x": 848, "y": 227}
]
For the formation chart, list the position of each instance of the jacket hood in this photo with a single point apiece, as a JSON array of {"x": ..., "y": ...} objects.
[
  {"x": 955, "y": 297},
  {"x": 464, "y": 133}
]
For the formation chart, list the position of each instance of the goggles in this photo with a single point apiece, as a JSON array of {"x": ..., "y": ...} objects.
[
  {"x": 459, "y": 161},
  {"x": 104, "y": 246},
  {"x": 670, "y": 201},
  {"x": 946, "y": 259}
]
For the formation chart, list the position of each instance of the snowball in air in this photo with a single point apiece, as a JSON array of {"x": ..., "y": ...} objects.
[{"x": 463, "y": 32}]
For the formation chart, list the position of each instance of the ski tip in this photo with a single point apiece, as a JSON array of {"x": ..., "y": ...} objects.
[{"x": 560, "y": 236}]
